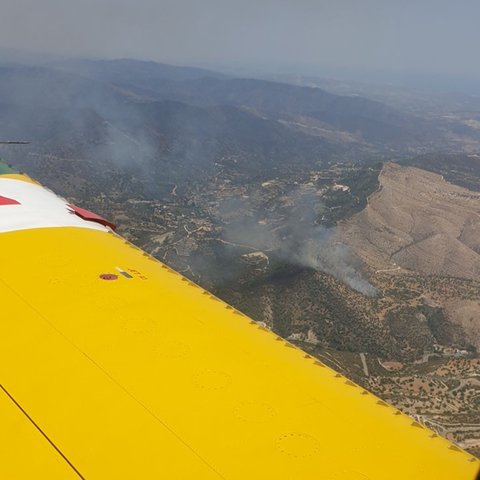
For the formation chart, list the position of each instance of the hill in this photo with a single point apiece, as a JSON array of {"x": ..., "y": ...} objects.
[
  {"x": 271, "y": 195},
  {"x": 370, "y": 121},
  {"x": 419, "y": 222}
]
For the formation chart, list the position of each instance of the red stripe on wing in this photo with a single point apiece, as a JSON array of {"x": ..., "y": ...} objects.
[
  {"x": 90, "y": 216},
  {"x": 8, "y": 201}
]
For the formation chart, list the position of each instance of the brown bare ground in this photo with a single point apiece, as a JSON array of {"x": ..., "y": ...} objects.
[{"x": 418, "y": 221}]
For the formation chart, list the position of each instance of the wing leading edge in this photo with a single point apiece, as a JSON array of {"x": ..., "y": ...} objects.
[{"x": 118, "y": 367}]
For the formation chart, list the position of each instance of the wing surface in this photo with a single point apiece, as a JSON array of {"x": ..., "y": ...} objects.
[{"x": 112, "y": 365}]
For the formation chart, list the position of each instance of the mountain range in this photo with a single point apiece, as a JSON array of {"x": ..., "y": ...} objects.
[{"x": 282, "y": 200}]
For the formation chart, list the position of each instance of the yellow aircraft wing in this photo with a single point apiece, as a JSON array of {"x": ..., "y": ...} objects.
[{"x": 112, "y": 365}]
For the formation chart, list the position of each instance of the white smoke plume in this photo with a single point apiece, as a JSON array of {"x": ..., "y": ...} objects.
[{"x": 299, "y": 240}]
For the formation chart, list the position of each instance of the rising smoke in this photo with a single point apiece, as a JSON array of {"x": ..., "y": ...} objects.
[
  {"x": 147, "y": 143},
  {"x": 322, "y": 252},
  {"x": 297, "y": 239}
]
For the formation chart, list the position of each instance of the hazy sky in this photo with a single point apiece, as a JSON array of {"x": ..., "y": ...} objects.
[{"x": 415, "y": 35}]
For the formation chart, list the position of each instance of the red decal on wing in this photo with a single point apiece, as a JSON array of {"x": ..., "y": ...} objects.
[
  {"x": 90, "y": 216},
  {"x": 8, "y": 201}
]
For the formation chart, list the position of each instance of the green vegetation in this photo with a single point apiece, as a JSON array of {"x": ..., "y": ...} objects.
[
  {"x": 5, "y": 168},
  {"x": 361, "y": 183},
  {"x": 460, "y": 169}
]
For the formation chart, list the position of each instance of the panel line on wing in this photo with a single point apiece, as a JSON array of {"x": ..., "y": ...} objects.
[
  {"x": 113, "y": 379},
  {"x": 44, "y": 435}
]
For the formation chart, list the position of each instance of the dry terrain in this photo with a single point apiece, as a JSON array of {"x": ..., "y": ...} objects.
[
  {"x": 252, "y": 188},
  {"x": 418, "y": 222},
  {"x": 418, "y": 237}
]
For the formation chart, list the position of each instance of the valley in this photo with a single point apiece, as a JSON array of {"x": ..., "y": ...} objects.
[{"x": 344, "y": 224}]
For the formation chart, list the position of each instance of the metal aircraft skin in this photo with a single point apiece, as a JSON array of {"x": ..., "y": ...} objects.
[{"x": 112, "y": 365}]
